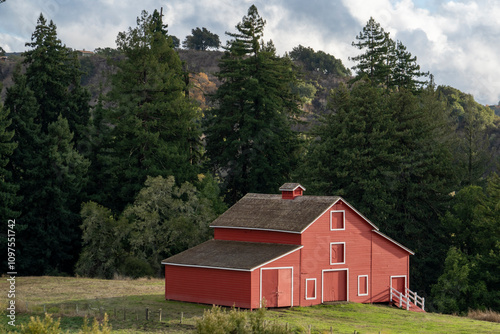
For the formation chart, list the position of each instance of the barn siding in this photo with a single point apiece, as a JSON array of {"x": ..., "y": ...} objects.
[
  {"x": 316, "y": 252},
  {"x": 388, "y": 260},
  {"x": 208, "y": 286},
  {"x": 257, "y": 236}
]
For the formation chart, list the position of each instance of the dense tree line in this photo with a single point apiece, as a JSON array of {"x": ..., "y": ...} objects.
[{"x": 114, "y": 188}]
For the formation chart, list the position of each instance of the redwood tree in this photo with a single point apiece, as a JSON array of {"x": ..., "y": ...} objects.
[{"x": 250, "y": 143}]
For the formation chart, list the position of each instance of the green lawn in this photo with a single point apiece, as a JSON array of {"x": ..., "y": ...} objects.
[{"x": 126, "y": 301}]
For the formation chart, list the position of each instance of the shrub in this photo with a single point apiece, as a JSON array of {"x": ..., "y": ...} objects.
[
  {"x": 134, "y": 267},
  {"x": 218, "y": 320},
  {"x": 45, "y": 326},
  {"x": 96, "y": 328},
  {"x": 49, "y": 326}
]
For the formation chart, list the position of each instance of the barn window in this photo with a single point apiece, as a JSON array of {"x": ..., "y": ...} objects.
[
  {"x": 363, "y": 285},
  {"x": 310, "y": 288},
  {"x": 337, "y": 253},
  {"x": 337, "y": 221}
]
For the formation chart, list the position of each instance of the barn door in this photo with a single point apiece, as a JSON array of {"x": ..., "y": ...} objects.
[
  {"x": 277, "y": 287},
  {"x": 334, "y": 285},
  {"x": 399, "y": 283}
]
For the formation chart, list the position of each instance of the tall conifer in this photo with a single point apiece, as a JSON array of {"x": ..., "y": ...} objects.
[
  {"x": 8, "y": 189},
  {"x": 46, "y": 166},
  {"x": 375, "y": 62},
  {"x": 250, "y": 143},
  {"x": 153, "y": 126},
  {"x": 53, "y": 74}
]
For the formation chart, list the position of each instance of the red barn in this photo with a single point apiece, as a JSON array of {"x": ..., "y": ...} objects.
[{"x": 291, "y": 250}]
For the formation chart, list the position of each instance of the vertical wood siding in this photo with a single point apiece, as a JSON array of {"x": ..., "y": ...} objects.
[
  {"x": 208, "y": 286},
  {"x": 388, "y": 260}
]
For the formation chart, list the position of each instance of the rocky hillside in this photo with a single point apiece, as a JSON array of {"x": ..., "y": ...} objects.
[{"x": 201, "y": 64}]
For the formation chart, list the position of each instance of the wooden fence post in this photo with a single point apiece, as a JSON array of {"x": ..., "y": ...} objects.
[
  {"x": 160, "y": 314},
  {"x": 147, "y": 314},
  {"x": 182, "y": 316}
]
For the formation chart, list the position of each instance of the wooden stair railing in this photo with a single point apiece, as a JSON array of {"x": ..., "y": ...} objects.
[
  {"x": 409, "y": 297},
  {"x": 416, "y": 299}
]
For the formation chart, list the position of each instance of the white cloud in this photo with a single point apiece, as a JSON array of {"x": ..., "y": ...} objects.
[{"x": 457, "y": 40}]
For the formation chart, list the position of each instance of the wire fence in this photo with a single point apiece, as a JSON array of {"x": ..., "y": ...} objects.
[{"x": 97, "y": 310}]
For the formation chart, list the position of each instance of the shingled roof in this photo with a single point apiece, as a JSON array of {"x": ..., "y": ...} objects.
[
  {"x": 233, "y": 255},
  {"x": 271, "y": 212}
]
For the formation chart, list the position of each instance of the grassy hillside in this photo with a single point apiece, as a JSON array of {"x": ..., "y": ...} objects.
[{"x": 126, "y": 302}]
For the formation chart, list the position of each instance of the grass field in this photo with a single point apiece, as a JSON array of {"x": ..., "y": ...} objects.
[{"x": 126, "y": 301}]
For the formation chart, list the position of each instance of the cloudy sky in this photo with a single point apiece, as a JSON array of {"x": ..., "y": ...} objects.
[{"x": 456, "y": 40}]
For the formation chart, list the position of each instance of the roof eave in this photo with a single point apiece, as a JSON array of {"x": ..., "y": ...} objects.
[{"x": 394, "y": 241}]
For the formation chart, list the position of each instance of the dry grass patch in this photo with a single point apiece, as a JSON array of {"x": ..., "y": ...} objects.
[
  {"x": 487, "y": 315},
  {"x": 63, "y": 289}
]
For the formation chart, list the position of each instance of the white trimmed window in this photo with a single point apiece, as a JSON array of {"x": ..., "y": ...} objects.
[
  {"x": 337, "y": 253},
  {"x": 310, "y": 288},
  {"x": 363, "y": 285},
  {"x": 337, "y": 220}
]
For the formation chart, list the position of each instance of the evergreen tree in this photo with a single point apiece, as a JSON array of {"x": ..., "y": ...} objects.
[
  {"x": 154, "y": 129},
  {"x": 471, "y": 276},
  {"x": 319, "y": 61},
  {"x": 53, "y": 74},
  {"x": 249, "y": 139},
  {"x": 201, "y": 39},
  {"x": 385, "y": 61},
  {"x": 406, "y": 72},
  {"x": 376, "y": 61},
  {"x": 423, "y": 179},
  {"x": 353, "y": 152},
  {"x": 47, "y": 168},
  {"x": 385, "y": 154},
  {"x": 8, "y": 189}
]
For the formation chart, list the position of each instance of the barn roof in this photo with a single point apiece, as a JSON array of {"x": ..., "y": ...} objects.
[
  {"x": 271, "y": 212},
  {"x": 291, "y": 187},
  {"x": 232, "y": 255}
]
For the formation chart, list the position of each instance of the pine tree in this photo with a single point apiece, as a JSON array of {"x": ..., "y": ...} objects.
[
  {"x": 154, "y": 126},
  {"x": 250, "y": 143}
]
